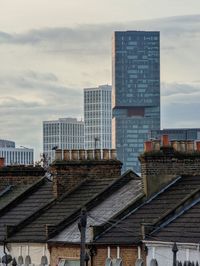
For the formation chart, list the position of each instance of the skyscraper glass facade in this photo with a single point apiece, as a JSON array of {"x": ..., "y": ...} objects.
[{"x": 136, "y": 92}]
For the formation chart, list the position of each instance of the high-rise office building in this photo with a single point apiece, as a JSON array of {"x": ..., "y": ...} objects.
[
  {"x": 64, "y": 133},
  {"x": 98, "y": 117},
  {"x": 176, "y": 133},
  {"x": 136, "y": 92},
  {"x": 15, "y": 156}
]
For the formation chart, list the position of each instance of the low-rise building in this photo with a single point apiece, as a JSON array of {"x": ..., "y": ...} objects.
[{"x": 15, "y": 156}]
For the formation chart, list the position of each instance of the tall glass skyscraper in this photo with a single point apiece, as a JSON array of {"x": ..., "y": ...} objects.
[{"x": 136, "y": 92}]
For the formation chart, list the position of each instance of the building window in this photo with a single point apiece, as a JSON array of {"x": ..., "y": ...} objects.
[{"x": 69, "y": 262}]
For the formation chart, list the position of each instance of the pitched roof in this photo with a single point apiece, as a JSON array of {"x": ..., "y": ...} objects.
[
  {"x": 25, "y": 204},
  {"x": 128, "y": 229},
  {"x": 124, "y": 191},
  {"x": 15, "y": 180},
  {"x": 61, "y": 210},
  {"x": 182, "y": 227}
]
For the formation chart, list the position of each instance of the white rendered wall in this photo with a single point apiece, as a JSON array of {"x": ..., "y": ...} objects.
[{"x": 162, "y": 252}]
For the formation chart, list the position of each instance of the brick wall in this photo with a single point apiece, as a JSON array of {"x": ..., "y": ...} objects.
[
  {"x": 128, "y": 254},
  {"x": 19, "y": 174},
  {"x": 159, "y": 169},
  {"x": 66, "y": 252},
  {"x": 68, "y": 174}
]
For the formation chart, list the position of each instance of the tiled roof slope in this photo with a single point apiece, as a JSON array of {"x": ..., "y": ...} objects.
[
  {"x": 11, "y": 192},
  {"x": 15, "y": 180},
  {"x": 128, "y": 189},
  {"x": 63, "y": 208},
  {"x": 35, "y": 197},
  {"x": 183, "y": 227},
  {"x": 128, "y": 229}
]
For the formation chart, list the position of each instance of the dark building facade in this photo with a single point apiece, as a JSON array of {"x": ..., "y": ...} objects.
[
  {"x": 177, "y": 133},
  {"x": 136, "y": 93}
]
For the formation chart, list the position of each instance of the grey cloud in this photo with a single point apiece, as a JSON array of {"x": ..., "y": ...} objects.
[
  {"x": 48, "y": 95},
  {"x": 170, "y": 89},
  {"x": 91, "y": 39},
  {"x": 12, "y": 102},
  {"x": 99, "y": 32}
]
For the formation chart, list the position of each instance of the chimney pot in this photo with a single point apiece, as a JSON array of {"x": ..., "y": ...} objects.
[
  {"x": 113, "y": 154},
  {"x": 67, "y": 155},
  {"x": 82, "y": 154},
  {"x": 97, "y": 154},
  {"x": 2, "y": 161},
  {"x": 74, "y": 154},
  {"x": 148, "y": 146},
  {"x": 106, "y": 154},
  {"x": 165, "y": 140},
  {"x": 90, "y": 155},
  {"x": 58, "y": 154},
  {"x": 156, "y": 145},
  {"x": 190, "y": 145},
  {"x": 183, "y": 146},
  {"x": 198, "y": 145}
]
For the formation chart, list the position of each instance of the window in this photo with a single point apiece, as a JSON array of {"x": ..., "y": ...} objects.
[{"x": 69, "y": 262}]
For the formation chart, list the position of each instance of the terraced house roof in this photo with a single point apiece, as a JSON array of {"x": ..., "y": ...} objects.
[{"x": 128, "y": 230}]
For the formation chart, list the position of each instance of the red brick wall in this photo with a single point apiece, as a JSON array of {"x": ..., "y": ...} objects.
[
  {"x": 128, "y": 254},
  {"x": 70, "y": 252}
]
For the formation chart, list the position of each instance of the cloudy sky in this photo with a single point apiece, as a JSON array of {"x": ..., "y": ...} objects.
[{"x": 51, "y": 49}]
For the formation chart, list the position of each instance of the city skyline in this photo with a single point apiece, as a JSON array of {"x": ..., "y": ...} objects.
[{"x": 47, "y": 61}]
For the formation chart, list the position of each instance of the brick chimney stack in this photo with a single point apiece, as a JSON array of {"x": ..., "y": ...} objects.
[
  {"x": 71, "y": 167},
  {"x": 163, "y": 161}
]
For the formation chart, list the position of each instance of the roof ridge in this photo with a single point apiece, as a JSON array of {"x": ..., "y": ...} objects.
[{"x": 147, "y": 201}]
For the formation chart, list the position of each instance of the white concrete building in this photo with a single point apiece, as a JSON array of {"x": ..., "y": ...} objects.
[
  {"x": 15, "y": 156},
  {"x": 98, "y": 117},
  {"x": 64, "y": 133}
]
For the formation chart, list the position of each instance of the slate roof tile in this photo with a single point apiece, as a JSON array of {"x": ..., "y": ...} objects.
[
  {"x": 127, "y": 190},
  {"x": 38, "y": 198},
  {"x": 128, "y": 229},
  {"x": 61, "y": 210}
]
